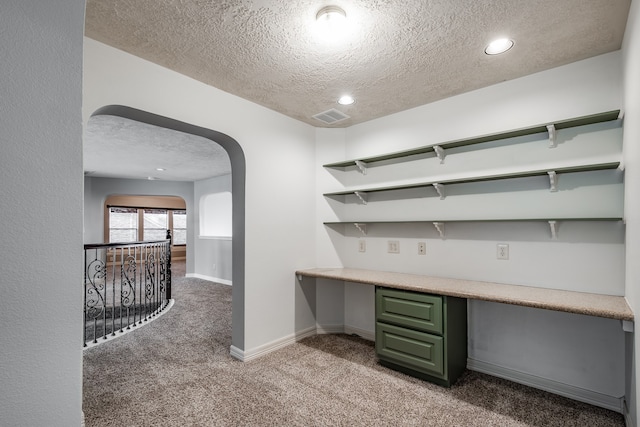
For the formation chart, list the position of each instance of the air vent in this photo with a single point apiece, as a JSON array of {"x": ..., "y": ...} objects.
[{"x": 331, "y": 116}]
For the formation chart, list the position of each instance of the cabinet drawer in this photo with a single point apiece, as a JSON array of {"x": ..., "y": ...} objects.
[
  {"x": 413, "y": 310},
  {"x": 412, "y": 349}
]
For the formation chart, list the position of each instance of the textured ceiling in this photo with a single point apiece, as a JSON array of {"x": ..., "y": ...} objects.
[
  {"x": 115, "y": 147},
  {"x": 395, "y": 55}
]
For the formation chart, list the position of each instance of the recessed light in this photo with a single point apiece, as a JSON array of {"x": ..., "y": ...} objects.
[
  {"x": 498, "y": 46},
  {"x": 160, "y": 169},
  {"x": 346, "y": 100}
]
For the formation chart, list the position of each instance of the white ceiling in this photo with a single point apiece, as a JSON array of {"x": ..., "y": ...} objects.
[{"x": 395, "y": 56}]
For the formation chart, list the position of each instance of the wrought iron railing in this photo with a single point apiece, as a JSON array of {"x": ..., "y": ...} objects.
[{"x": 125, "y": 285}]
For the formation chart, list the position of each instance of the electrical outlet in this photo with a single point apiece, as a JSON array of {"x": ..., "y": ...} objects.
[
  {"x": 393, "y": 247},
  {"x": 422, "y": 248},
  {"x": 362, "y": 245},
  {"x": 502, "y": 251}
]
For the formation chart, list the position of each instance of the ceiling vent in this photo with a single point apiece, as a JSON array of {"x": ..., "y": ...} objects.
[{"x": 331, "y": 116}]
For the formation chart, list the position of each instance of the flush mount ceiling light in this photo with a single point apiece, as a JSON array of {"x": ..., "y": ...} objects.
[
  {"x": 331, "y": 15},
  {"x": 346, "y": 100},
  {"x": 331, "y": 22},
  {"x": 498, "y": 46}
]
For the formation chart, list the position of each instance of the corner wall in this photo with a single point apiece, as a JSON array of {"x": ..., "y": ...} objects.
[
  {"x": 631, "y": 69},
  {"x": 41, "y": 213}
]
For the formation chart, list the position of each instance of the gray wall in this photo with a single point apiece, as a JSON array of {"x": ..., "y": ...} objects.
[
  {"x": 631, "y": 64},
  {"x": 41, "y": 212},
  {"x": 212, "y": 256}
]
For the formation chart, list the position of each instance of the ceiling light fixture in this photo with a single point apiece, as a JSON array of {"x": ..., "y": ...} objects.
[
  {"x": 346, "y": 100},
  {"x": 331, "y": 23},
  {"x": 498, "y": 46},
  {"x": 160, "y": 169},
  {"x": 331, "y": 15}
]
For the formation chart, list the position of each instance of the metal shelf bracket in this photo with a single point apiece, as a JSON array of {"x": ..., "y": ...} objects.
[
  {"x": 362, "y": 166},
  {"x": 553, "y": 181},
  {"x": 440, "y": 227},
  {"x": 553, "y": 225},
  {"x": 362, "y": 196},
  {"x": 552, "y": 136},
  {"x": 439, "y": 153},
  {"x": 440, "y": 189},
  {"x": 361, "y": 227}
]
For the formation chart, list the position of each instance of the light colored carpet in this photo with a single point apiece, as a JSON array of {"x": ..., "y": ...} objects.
[{"x": 177, "y": 372}]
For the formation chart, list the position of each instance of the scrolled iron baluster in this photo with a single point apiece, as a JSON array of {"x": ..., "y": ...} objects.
[
  {"x": 150, "y": 277},
  {"x": 95, "y": 303},
  {"x": 128, "y": 287}
]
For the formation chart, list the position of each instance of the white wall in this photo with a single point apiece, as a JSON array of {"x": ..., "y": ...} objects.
[
  {"x": 587, "y": 257},
  {"x": 279, "y": 154},
  {"x": 41, "y": 213},
  {"x": 212, "y": 255},
  {"x": 631, "y": 54}
]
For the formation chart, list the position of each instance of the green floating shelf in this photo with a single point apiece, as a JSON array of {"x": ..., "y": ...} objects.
[
  {"x": 439, "y": 148},
  {"x": 439, "y": 185}
]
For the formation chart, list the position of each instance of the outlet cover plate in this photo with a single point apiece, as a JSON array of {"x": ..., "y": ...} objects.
[
  {"x": 393, "y": 246},
  {"x": 502, "y": 251}
]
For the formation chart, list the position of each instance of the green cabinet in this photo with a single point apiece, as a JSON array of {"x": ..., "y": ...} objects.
[{"x": 421, "y": 334}]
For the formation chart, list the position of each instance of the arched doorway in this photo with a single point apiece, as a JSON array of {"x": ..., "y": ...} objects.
[{"x": 238, "y": 172}]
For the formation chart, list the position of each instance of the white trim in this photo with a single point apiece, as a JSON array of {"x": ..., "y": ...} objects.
[
  {"x": 330, "y": 329},
  {"x": 132, "y": 327},
  {"x": 263, "y": 349},
  {"x": 628, "y": 421},
  {"x": 216, "y": 237},
  {"x": 572, "y": 392},
  {"x": 210, "y": 278},
  {"x": 362, "y": 333}
]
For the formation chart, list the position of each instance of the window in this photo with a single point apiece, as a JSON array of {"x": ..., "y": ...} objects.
[
  {"x": 143, "y": 218},
  {"x": 179, "y": 227},
  {"x": 155, "y": 224},
  {"x": 123, "y": 225}
]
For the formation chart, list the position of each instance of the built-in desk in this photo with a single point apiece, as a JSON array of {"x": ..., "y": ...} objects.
[{"x": 608, "y": 306}]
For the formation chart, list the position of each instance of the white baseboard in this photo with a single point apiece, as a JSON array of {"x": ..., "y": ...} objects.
[
  {"x": 363, "y": 333},
  {"x": 329, "y": 329},
  {"x": 566, "y": 390},
  {"x": 210, "y": 278},
  {"x": 254, "y": 353},
  {"x": 628, "y": 421}
]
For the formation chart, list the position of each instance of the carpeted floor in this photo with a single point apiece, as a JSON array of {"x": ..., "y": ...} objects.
[{"x": 177, "y": 372}]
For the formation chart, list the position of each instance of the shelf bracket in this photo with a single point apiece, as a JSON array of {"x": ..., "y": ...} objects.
[
  {"x": 362, "y": 196},
  {"x": 440, "y": 189},
  {"x": 362, "y": 166},
  {"x": 440, "y": 227},
  {"x": 299, "y": 276},
  {"x": 552, "y": 136},
  {"x": 553, "y": 225},
  {"x": 553, "y": 181},
  {"x": 439, "y": 153},
  {"x": 361, "y": 227}
]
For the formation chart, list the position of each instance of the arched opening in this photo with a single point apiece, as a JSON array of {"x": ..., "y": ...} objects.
[{"x": 238, "y": 172}]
